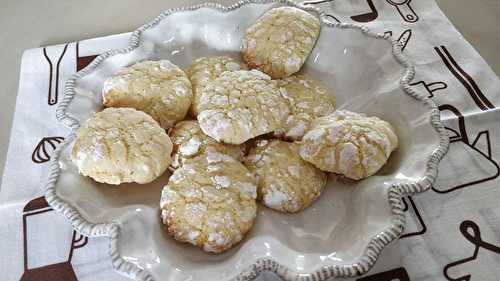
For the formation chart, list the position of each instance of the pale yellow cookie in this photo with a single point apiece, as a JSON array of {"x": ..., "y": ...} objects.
[
  {"x": 119, "y": 145},
  {"x": 189, "y": 142},
  {"x": 206, "y": 69},
  {"x": 286, "y": 182},
  {"x": 209, "y": 202},
  {"x": 308, "y": 99},
  {"x": 240, "y": 105},
  {"x": 349, "y": 143},
  {"x": 280, "y": 41},
  {"x": 158, "y": 88}
]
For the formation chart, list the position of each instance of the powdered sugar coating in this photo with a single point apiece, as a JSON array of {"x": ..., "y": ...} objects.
[
  {"x": 279, "y": 42},
  {"x": 308, "y": 99},
  {"x": 119, "y": 145},
  {"x": 207, "y": 69},
  {"x": 189, "y": 141},
  {"x": 209, "y": 202},
  {"x": 158, "y": 88},
  {"x": 349, "y": 143},
  {"x": 286, "y": 182},
  {"x": 240, "y": 105}
]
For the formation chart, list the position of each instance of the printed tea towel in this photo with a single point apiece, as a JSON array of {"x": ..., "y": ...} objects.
[{"x": 453, "y": 230}]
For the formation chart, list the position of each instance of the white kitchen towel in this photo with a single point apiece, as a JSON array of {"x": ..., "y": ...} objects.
[{"x": 453, "y": 230}]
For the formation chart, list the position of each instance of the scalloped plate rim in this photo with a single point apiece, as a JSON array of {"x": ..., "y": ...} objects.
[{"x": 395, "y": 192}]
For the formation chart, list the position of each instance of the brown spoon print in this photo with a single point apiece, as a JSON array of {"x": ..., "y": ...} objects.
[{"x": 404, "y": 9}]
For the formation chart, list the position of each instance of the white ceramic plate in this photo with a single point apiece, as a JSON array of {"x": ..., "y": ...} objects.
[{"x": 341, "y": 234}]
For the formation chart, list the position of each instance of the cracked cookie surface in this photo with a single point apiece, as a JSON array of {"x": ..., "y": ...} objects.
[
  {"x": 207, "y": 69},
  {"x": 280, "y": 41},
  {"x": 349, "y": 143},
  {"x": 189, "y": 141},
  {"x": 286, "y": 182},
  {"x": 120, "y": 145},
  {"x": 159, "y": 88},
  {"x": 209, "y": 202},
  {"x": 308, "y": 100},
  {"x": 240, "y": 105}
]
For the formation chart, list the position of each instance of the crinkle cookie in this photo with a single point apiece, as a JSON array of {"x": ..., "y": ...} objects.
[
  {"x": 209, "y": 202},
  {"x": 119, "y": 145},
  {"x": 308, "y": 100},
  {"x": 287, "y": 183},
  {"x": 207, "y": 69},
  {"x": 349, "y": 143},
  {"x": 189, "y": 141},
  {"x": 279, "y": 42},
  {"x": 158, "y": 88},
  {"x": 240, "y": 105}
]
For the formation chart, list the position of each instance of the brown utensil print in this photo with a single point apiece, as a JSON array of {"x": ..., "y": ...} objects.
[
  {"x": 332, "y": 17},
  {"x": 397, "y": 274},
  {"x": 318, "y": 2},
  {"x": 369, "y": 16},
  {"x": 470, "y": 230},
  {"x": 53, "y": 93},
  {"x": 463, "y": 151},
  {"x": 404, "y": 9},
  {"x": 413, "y": 227},
  {"x": 430, "y": 88},
  {"x": 403, "y": 39},
  {"x": 44, "y": 149},
  {"x": 82, "y": 61},
  {"x": 464, "y": 78},
  {"x": 57, "y": 271}
]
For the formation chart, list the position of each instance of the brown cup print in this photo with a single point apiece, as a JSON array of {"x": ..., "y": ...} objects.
[
  {"x": 55, "y": 268},
  {"x": 82, "y": 61}
]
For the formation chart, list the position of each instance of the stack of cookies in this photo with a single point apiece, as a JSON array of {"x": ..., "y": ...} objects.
[{"x": 238, "y": 132}]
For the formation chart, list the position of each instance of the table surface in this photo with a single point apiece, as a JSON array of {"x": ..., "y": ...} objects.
[{"x": 29, "y": 24}]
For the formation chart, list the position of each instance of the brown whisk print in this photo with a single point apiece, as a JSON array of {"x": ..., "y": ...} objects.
[{"x": 465, "y": 79}]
